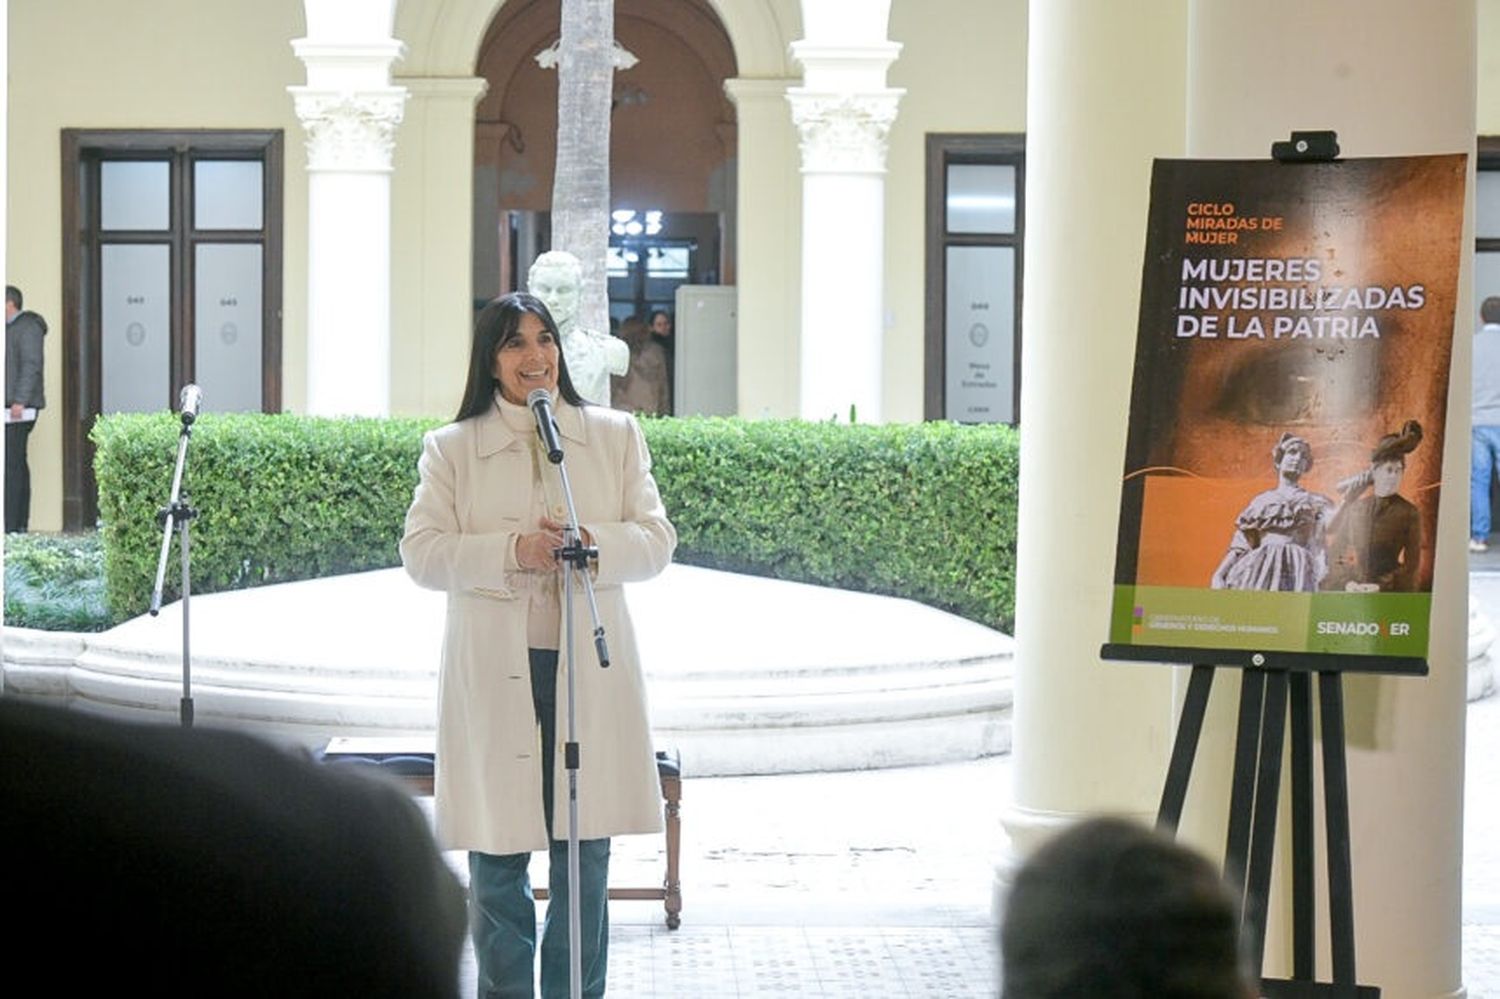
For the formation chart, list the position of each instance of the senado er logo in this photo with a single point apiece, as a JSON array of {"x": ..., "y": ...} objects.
[{"x": 1369, "y": 629}]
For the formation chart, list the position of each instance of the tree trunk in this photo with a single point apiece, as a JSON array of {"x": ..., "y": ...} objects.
[{"x": 580, "y": 188}]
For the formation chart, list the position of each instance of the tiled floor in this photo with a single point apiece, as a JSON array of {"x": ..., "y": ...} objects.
[
  {"x": 836, "y": 885},
  {"x": 760, "y": 962},
  {"x": 794, "y": 961}
]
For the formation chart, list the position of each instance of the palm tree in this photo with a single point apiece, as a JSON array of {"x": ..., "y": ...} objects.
[{"x": 580, "y": 188}]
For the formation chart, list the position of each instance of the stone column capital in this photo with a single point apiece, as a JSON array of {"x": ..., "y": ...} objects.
[
  {"x": 843, "y": 132},
  {"x": 351, "y": 131}
]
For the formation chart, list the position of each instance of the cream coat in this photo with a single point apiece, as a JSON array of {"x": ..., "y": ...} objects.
[{"x": 475, "y": 488}]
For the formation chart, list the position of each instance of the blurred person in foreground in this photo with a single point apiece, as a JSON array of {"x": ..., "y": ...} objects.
[
  {"x": 148, "y": 859},
  {"x": 1110, "y": 909}
]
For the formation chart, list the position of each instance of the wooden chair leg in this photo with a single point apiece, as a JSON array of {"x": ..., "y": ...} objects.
[{"x": 672, "y": 789}]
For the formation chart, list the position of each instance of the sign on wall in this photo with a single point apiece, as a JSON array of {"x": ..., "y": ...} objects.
[{"x": 1284, "y": 454}]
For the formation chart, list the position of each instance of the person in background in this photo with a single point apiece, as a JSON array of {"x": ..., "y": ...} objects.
[
  {"x": 1110, "y": 909},
  {"x": 162, "y": 861},
  {"x": 24, "y": 398},
  {"x": 643, "y": 388},
  {"x": 661, "y": 330},
  {"x": 484, "y": 526},
  {"x": 661, "y": 326},
  {"x": 1484, "y": 455}
]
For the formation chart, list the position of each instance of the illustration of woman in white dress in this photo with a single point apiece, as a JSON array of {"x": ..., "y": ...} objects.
[{"x": 1279, "y": 538}]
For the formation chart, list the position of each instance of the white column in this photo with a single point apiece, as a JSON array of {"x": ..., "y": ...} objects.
[
  {"x": 432, "y": 222},
  {"x": 350, "y": 112},
  {"x": 1104, "y": 95},
  {"x": 489, "y": 256},
  {"x": 1392, "y": 77},
  {"x": 843, "y": 114},
  {"x": 768, "y": 200}
]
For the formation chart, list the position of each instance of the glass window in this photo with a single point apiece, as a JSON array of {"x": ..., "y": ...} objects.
[
  {"x": 135, "y": 194},
  {"x": 1486, "y": 279},
  {"x": 227, "y": 194},
  {"x": 668, "y": 262},
  {"x": 980, "y": 326},
  {"x": 616, "y": 262},
  {"x": 135, "y": 326},
  {"x": 226, "y": 323},
  {"x": 975, "y": 221},
  {"x": 981, "y": 198},
  {"x": 1486, "y": 231}
]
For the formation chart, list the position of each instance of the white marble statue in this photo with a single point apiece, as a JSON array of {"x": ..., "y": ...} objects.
[{"x": 556, "y": 278}]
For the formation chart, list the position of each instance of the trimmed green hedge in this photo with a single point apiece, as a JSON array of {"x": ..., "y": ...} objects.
[
  {"x": 278, "y": 497},
  {"x": 925, "y": 511}
]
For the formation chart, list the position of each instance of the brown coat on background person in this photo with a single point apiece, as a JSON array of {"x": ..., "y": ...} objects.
[{"x": 646, "y": 387}]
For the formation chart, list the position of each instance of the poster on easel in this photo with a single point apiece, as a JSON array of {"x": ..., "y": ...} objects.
[{"x": 1284, "y": 451}]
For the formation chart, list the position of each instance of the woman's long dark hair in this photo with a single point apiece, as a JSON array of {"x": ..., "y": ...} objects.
[{"x": 499, "y": 322}]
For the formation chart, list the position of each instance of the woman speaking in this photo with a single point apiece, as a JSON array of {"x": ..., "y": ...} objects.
[{"x": 483, "y": 526}]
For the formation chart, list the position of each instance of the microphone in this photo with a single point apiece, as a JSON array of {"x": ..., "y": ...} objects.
[
  {"x": 191, "y": 397},
  {"x": 540, "y": 401}
]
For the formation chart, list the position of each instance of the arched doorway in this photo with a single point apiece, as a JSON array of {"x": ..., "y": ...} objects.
[{"x": 672, "y": 151}]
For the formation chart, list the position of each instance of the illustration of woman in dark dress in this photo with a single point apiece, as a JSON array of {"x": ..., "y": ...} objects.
[
  {"x": 1376, "y": 539},
  {"x": 1279, "y": 538}
]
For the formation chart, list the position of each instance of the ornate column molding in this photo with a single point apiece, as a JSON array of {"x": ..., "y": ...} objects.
[
  {"x": 843, "y": 132},
  {"x": 843, "y": 111},
  {"x": 453, "y": 88},
  {"x": 741, "y": 89},
  {"x": 350, "y": 130}
]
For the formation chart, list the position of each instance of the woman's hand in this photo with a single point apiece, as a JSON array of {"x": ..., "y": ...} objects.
[
  {"x": 534, "y": 550},
  {"x": 556, "y": 526}
]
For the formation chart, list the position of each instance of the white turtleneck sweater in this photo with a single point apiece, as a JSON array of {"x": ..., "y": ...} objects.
[{"x": 544, "y": 614}]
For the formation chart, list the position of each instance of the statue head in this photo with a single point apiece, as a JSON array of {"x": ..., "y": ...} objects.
[
  {"x": 556, "y": 277},
  {"x": 1292, "y": 455}
]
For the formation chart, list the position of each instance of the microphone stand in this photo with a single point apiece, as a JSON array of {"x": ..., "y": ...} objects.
[
  {"x": 575, "y": 556},
  {"x": 178, "y": 514}
]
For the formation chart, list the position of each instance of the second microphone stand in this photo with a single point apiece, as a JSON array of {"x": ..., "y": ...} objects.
[
  {"x": 575, "y": 556},
  {"x": 178, "y": 515}
]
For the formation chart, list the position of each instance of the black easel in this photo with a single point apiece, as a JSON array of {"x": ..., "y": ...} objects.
[{"x": 1264, "y": 696}]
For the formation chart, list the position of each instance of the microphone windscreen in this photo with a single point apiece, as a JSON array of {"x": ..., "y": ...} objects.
[{"x": 190, "y": 399}]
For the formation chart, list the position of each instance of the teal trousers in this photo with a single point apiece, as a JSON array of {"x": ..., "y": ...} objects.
[{"x": 502, "y": 910}]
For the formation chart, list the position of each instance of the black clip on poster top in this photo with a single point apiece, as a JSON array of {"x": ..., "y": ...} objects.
[{"x": 1307, "y": 147}]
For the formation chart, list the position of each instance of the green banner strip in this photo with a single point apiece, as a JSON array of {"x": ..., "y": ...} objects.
[{"x": 1387, "y": 624}]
